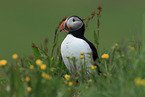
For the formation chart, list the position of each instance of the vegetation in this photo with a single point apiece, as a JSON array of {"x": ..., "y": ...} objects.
[{"x": 44, "y": 75}]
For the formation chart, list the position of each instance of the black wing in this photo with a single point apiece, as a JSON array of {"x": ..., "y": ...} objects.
[
  {"x": 94, "y": 51},
  {"x": 95, "y": 54}
]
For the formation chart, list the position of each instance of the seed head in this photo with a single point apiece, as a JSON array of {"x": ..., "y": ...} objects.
[
  {"x": 99, "y": 8},
  {"x": 89, "y": 18},
  {"x": 83, "y": 19},
  {"x": 98, "y": 13},
  {"x": 67, "y": 56},
  {"x": 34, "y": 46},
  {"x": 93, "y": 13}
]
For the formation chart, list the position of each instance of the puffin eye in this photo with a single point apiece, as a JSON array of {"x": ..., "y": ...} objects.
[{"x": 74, "y": 20}]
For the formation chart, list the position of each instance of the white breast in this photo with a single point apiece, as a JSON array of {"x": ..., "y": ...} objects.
[{"x": 72, "y": 47}]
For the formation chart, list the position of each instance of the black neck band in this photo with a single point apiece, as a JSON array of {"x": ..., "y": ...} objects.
[{"x": 79, "y": 33}]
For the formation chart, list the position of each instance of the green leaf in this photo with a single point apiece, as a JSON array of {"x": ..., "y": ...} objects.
[
  {"x": 36, "y": 52},
  {"x": 96, "y": 39},
  {"x": 55, "y": 44},
  {"x": 2, "y": 74}
]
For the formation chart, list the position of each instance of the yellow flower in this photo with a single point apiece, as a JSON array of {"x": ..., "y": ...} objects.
[
  {"x": 46, "y": 76},
  {"x": 38, "y": 62},
  {"x": 104, "y": 74},
  {"x": 29, "y": 89},
  {"x": 52, "y": 69},
  {"x": 27, "y": 79},
  {"x": 69, "y": 89},
  {"x": 3, "y": 62},
  {"x": 70, "y": 83},
  {"x": 66, "y": 82},
  {"x": 122, "y": 55},
  {"x": 93, "y": 67},
  {"x": 82, "y": 53},
  {"x": 137, "y": 81},
  {"x": 15, "y": 56},
  {"x": 105, "y": 56},
  {"x": 81, "y": 56},
  {"x": 43, "y": 75},
  {"x": 86, "y": 87},
  {"x": 116, "y": 44},
  {"x": 31, "y": 67},
  {"x": 132, "y": 48},
  {"x": 67, "y": 77},
  {"x": 143, "y": 82},
  {"x": 43, "y": 66}
]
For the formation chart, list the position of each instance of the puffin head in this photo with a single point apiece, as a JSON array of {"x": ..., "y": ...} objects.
[{"x": 72, "y": 24}]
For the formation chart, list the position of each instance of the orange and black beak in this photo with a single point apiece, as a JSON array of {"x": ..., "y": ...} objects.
[{"x": 62, "y": 27}]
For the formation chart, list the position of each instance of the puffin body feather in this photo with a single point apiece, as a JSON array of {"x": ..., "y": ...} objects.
[{"x": 72, "y": 47}]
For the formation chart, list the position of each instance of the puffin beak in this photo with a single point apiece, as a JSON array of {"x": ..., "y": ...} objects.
[{"x": 62, "y": 27}]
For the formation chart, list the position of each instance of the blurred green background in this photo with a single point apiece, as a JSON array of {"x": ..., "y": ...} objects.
[{"x": 25, "y": 21}]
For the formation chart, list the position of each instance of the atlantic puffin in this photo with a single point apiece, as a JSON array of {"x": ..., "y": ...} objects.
[{"x": 76, "y": 44}]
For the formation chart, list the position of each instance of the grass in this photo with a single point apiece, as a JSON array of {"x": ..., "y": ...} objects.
[
  {"x": 122, "y": 76},
  {"x": 44, "y": 75}
]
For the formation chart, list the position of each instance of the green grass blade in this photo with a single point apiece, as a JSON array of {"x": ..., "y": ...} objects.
[
  {"x": 36, "y": 52},
  {"x": 96, "y": 39}
]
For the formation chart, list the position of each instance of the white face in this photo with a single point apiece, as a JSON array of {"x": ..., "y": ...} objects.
[{"x": 74, "y": 23}]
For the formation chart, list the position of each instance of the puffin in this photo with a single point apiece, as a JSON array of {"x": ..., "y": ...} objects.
[{"x": 77, "y": 52}]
